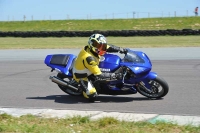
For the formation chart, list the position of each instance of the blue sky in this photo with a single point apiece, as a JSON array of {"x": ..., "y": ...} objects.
[{"x": 14, "y": 10}]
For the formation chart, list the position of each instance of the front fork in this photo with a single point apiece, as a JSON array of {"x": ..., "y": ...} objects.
[
  {"x": 124, "y": 74},
  {"x": 146, "y": 84}
]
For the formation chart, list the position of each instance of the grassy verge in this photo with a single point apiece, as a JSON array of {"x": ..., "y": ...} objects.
[
  {"x": 79, "y": 42},
  {"x": 104, "y": 24},
  {"x": 77, "y": 124}
]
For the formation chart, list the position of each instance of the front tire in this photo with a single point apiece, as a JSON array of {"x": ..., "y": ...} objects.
[
  {"x": 158, "y": 87},
  {"x": 66, "y": 89}
]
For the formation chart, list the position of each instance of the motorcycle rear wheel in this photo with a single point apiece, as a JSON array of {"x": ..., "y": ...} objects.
[
  {"x": 66, "y": 89},
  {"x": 159, "y": 89}
]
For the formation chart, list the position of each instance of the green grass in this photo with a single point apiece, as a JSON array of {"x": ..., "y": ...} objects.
[
  {"x": 109, "y": 24},
  {"x": 78, "y": 124},
  {"x": 79, "y": 42},
  {"x": 104, "y": 24}
]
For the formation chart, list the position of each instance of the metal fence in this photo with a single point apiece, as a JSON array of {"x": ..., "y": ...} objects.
[{"x": 123, "y": 15}]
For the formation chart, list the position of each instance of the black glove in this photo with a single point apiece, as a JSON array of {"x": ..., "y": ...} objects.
[{"x": 123, "y": 51}]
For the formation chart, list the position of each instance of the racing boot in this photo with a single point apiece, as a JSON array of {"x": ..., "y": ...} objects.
[
  {"x": 90, "y": 97},
  {"x": 89, "y": 91}
]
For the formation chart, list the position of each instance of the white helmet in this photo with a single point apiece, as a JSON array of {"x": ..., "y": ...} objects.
[{"x": 97, "y": 43}]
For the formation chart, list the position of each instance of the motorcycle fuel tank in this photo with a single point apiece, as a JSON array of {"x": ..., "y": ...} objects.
[{"x": 109, "y": 63}]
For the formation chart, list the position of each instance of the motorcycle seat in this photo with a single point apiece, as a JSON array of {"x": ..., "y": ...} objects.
[{"x": 60, "y": 59}]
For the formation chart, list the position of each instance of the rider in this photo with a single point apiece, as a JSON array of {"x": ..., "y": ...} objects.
[{"x": 87, "y": 63}]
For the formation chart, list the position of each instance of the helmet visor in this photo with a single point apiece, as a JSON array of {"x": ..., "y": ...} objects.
[
  {"x": 101, "y": 46},
  {"x": 102, "y": 49}
]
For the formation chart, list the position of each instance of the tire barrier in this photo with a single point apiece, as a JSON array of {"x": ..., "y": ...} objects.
[{"x": 122, "y": 33}]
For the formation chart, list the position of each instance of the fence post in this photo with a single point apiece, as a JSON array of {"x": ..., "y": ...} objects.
[
  {"x": 133, "y": 14},
  {"x": 24, "y": 18}
]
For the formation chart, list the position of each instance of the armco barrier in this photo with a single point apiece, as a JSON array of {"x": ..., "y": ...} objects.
[{"x": 124, "y": 33}]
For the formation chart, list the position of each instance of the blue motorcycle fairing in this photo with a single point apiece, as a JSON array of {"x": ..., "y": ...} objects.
[
  {"x": 151, "y": 75},
  {"x": 60, "y": 67},
  {"x": 139, "y": 70},
  {"x": 109, "y": 62},
  {"x": 136, "y": 60}
]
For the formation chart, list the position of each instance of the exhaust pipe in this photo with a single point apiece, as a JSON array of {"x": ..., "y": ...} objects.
[{"x": 62, "y": 82}]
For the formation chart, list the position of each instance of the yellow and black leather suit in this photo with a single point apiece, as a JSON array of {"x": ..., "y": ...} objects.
[{"x": 86, "y": 64}]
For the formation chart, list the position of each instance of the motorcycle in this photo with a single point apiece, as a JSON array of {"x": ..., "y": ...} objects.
[{"x": 135, "y": 67}]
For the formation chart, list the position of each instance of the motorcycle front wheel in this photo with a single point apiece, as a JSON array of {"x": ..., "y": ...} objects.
[
  {"x": 66, "y": 89},
  {"x": 158, "y": 88}
]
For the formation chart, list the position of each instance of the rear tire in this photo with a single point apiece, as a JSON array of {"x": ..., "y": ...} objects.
[
  {"x": 159, "y": 88},
  {"x": 66, "y": 89}
]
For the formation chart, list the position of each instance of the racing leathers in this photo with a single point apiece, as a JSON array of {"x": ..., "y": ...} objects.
[{"x": 86, "y": 64}]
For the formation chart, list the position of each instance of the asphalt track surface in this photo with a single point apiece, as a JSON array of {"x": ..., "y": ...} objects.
[{"x": 24, "y": 83}]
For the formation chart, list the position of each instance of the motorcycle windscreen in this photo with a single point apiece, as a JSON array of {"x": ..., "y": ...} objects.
[{"x": 137, "y": 58}]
